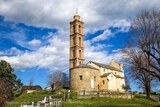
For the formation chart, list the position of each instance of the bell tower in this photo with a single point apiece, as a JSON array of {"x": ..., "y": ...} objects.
[{"x": 76, "y": 41}]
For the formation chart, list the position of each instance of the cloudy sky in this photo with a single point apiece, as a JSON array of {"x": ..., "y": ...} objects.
[{"x": 34, "y": 34}]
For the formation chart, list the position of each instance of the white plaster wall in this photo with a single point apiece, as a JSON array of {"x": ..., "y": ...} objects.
[
  {"x": 121, "y": 74},
  {"x": 112, "y": 86},
  {"x": 115, "y": 83},
  {"x": 101, "y": 70},
  {"x": 122, "y": 83}
]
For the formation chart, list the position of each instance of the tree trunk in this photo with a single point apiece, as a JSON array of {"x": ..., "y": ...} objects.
[{"x": 148, "y": 89}]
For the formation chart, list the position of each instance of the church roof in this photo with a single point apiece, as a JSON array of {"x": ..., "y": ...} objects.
[
  {"x": 106, "y": 66},
  {"x": 118, "y": 76},
  {"x": 85, "y": 66},
  {"x": 106, "y": 74}
]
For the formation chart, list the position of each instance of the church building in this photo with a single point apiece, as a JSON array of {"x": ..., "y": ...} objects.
[{"x": 93, "y": 75}]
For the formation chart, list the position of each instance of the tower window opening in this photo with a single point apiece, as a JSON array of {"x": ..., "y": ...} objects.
[
  {"x": 81, "y": 77},
  {"x": 103, "y": 82},
  {"x": 79, "y": 29},
  {"x": 94, "y": 78},
  {"x": 73, "y": 53},
  {"x": 74, "y": 28},
  {"x": 79, "y": 63},
  {"x": 73, "y": 64},
  {"x": 80, "y": 53},
  {"x": 79, "y": 41},
  {"x": 74, "y": 42}
]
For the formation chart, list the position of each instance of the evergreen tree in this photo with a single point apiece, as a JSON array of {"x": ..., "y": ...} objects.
[{"x": 8, "y": 82}]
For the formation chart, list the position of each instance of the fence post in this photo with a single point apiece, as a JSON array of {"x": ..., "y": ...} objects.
[
  {"x": 64, "y": 95},
  {"x": 32, "y": 104},
  {"x": 68, "y": 97}
]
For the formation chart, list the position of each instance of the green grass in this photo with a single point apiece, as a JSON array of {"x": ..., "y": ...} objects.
[
  {"x": 138, "y": 101},
  {"x": 32, "y": 97}
]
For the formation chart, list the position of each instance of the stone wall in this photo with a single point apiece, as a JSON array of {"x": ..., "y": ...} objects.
[{"x": 87, "y": 75}]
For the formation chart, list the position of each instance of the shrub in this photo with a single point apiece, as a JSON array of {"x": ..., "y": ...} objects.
[
  {"x": 17, "y": 93},
  {"x": 73, "y": 95}
]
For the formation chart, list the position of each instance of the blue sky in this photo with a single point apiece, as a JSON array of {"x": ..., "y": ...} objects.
[{"x": 34, "y": 35}]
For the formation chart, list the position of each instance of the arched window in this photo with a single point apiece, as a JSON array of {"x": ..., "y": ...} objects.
[
  {"x": 94, "y": 78},
  {"x": 79, "y": 29},
  {"x": 74, "y": 42},
  {"x": 79, "y": 41},
  {"x": 103, "y": 82},
  {"x": 73, "y": 53},
  {"x": 81, "y": 77},
  {"x": 80, "y": 53},
  {"x": 74, "y": 28},
  {"x": 107, "y": 79},
  {"x": 73, "y": 64},
  {"x": 79, "y": 63}
]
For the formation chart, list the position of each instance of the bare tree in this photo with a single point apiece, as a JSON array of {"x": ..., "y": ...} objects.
[
  {"x": 31, "y": 82},
  {"x": 146, "y": 30},
  {"x": 126, "y": 87},
  {"x": 135, "y": 60},
  {"x": 143, "y": 52},
  {"x": 58, "y": 78}
]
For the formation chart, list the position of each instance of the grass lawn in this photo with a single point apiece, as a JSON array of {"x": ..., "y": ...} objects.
[
  {"x": 32, "y": 97},
  {"x": 138, "y": 101}
]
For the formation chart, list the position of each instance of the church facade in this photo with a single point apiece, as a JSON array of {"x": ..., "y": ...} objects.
[{"x": 93, "y": 75}]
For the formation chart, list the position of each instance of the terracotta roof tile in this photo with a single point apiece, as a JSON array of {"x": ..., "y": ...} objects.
[{"x": 106, "y": 66}]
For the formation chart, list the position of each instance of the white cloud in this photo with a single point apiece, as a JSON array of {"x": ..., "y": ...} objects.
[
  {"x": 53, "y": 56},
  {"x": 56, "y": 55},
  {"x": 123, "y": 24},
  {"x": 57, "y": 13},
  {"x": 91, "y": 54},
  {"x": 116, "y": 50},
  {"x": 99, "y": 47},
  {"x": 97, "y": 14},
  {"x": 10, "y": 52},
  {"x": 34, "y": 42},
  {"x": 105, "y": 35}
]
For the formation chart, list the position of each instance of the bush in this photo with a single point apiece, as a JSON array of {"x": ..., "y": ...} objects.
[
  {"x": 73, "y": 95},
  {"x": 57, "y": 96},
  {"x": 154, "y": 93},
  {"x": 43, "y": 92},
  {"x": 17, "y": 93}
]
